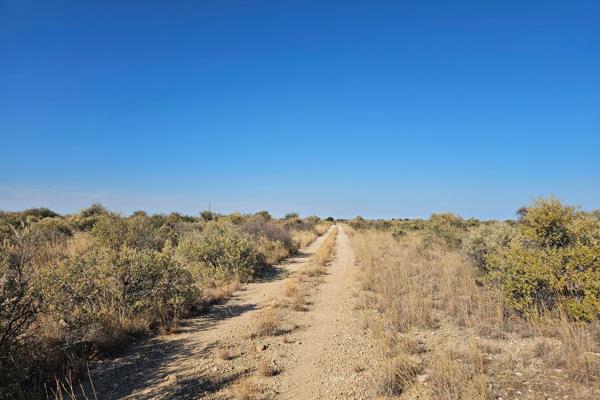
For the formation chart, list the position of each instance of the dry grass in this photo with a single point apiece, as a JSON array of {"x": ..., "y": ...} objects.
[
  {"x": 415, "y": 286},
  {"x": 456, "y": 378},
  {"x": 303, "y": 238},
  {"x": 580, "y": 350},
  {"x": 266, "y": 368},
  {"x": 298, "y": 302},
  {"x": 395, "y": 375},
  {"x": 219, "y": 292},
  {"x": 224, "y": 354},
  {"x": 268, "y": 322},
  {"x": 296, "y": 292},
  {"x": 327, "y": 250},
  {"x": 291, "y": 287},
  {"x": 312, "y": 271},
  {"x": 246, "y": 389},
  {"x": 322, "y": 227},
  {"x": 298, "y": 288}
]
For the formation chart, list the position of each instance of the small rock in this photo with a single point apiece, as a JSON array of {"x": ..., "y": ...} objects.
[{"x": 261, "y": 347}]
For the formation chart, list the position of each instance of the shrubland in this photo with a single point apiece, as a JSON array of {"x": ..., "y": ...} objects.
[
  {"x": 80, "y": 286},
  {"x": 464, "y": 304}
]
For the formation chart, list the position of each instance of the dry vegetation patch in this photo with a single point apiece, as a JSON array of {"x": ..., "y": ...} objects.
[
  {"x": 87, "y": 284},
  {"x": 268, "y": 322},
  {"x": 267, "y": 368},
  {"x": 441, "y": 320},
  {"x": 246, "y": 389},
  {"x": 327, "y": 250}
]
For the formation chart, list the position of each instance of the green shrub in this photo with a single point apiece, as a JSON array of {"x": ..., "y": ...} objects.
[
  {"x": 448, "y": 228},
  {"x": 580, "y": 283},
  {"x": 138, "y": 231},
  {"x": 110, "y": 231},
  {"x": 221, "y": 251},
  {"x": 87, "y": 218},
  {"x": 486, "y": 240},
  {"x": 554, "y": 260},
  {"x": 546, "y": 223},
  {"x": 92, "y": 292}
]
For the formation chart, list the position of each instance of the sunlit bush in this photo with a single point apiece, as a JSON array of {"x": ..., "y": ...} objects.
[
  {"x": 261, "y": 227},
  {"x": 488, "y": 239},
  {"x": 92, "y": 293},
  {"x": 449, "y": 229},
  {"x": 221, "y": 251},
  {"x": 554, "y": 263}
]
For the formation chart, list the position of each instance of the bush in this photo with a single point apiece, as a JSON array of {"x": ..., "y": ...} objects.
[
  {"x": 547, "y": 222},
  {"x": 486, "y": 240},
  {"x": 449, "y": 229},
  {"x": 94, "y": 291},
  {"x": 554, "y": 260},
  {"x": 261, "y": 227},
  {"x": 220, "y": 252},
  {"x": 138, "y": 232}
]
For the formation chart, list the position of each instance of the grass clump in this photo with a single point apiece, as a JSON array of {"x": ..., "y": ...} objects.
[
  {"x": 267, "y": 368},
  {"x": 246, "y": 389},
  {"x": 396, "y": 374},
  {"x": 268, "y": 322}
]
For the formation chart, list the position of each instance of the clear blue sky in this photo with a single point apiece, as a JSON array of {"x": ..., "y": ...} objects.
[{"x": 378, "y": 108}]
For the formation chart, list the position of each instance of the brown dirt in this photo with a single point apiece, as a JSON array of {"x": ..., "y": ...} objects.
[{"x": 320, "y": 353}]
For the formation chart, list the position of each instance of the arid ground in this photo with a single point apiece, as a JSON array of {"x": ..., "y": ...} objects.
[{"x": 321, "y": 352}]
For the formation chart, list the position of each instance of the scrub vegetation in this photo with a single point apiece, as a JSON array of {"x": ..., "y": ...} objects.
[
  {"x": 467, "y": 309},
  {"x": 81, "y": 286}
]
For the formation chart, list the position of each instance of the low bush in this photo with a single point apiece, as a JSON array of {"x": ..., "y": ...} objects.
[
  {"x": 221, "y": 251},
  {"x": 486, "y": 240}
]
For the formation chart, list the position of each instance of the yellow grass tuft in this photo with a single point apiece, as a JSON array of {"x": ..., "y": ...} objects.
[
  {"x": 246, "y": 389},
  {"x": 327, "y": 250},
  {"x": 268, "y": 322}
]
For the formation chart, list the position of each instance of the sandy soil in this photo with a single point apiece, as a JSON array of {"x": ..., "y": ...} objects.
[{"x": 323, "y": 354}]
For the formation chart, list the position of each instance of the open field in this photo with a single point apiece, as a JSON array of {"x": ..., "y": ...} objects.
[{"x": 97, "y": 305}]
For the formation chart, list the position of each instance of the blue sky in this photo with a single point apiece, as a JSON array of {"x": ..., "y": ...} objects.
[{"x": 383, "y": 109}]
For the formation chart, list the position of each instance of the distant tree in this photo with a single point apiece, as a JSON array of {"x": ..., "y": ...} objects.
[
  {"x": 330, "y": 219},
  {"x": 42, "y": 212},
  {"x": 291, "y": 215},
  {"x": 93, "y": 210}
]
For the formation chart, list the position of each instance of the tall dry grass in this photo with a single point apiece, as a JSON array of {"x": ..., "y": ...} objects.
[
  {"x": 416, "y": 284},
  {"x": 410, "y": 278},
  {"x": 322, "y": 227},
  {"x": 327, "y": 250},
  {"x": 303, "y": 238}
]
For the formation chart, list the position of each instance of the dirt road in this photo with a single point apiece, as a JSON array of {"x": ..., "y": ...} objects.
[{"x": 325, "y": 353}]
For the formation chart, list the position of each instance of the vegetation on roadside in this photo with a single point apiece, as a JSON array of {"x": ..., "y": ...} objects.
[
  {"x": 297, "y": 288},
  {"x": 77, "y": 286},
  {"x": 534, "y": 281}
]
